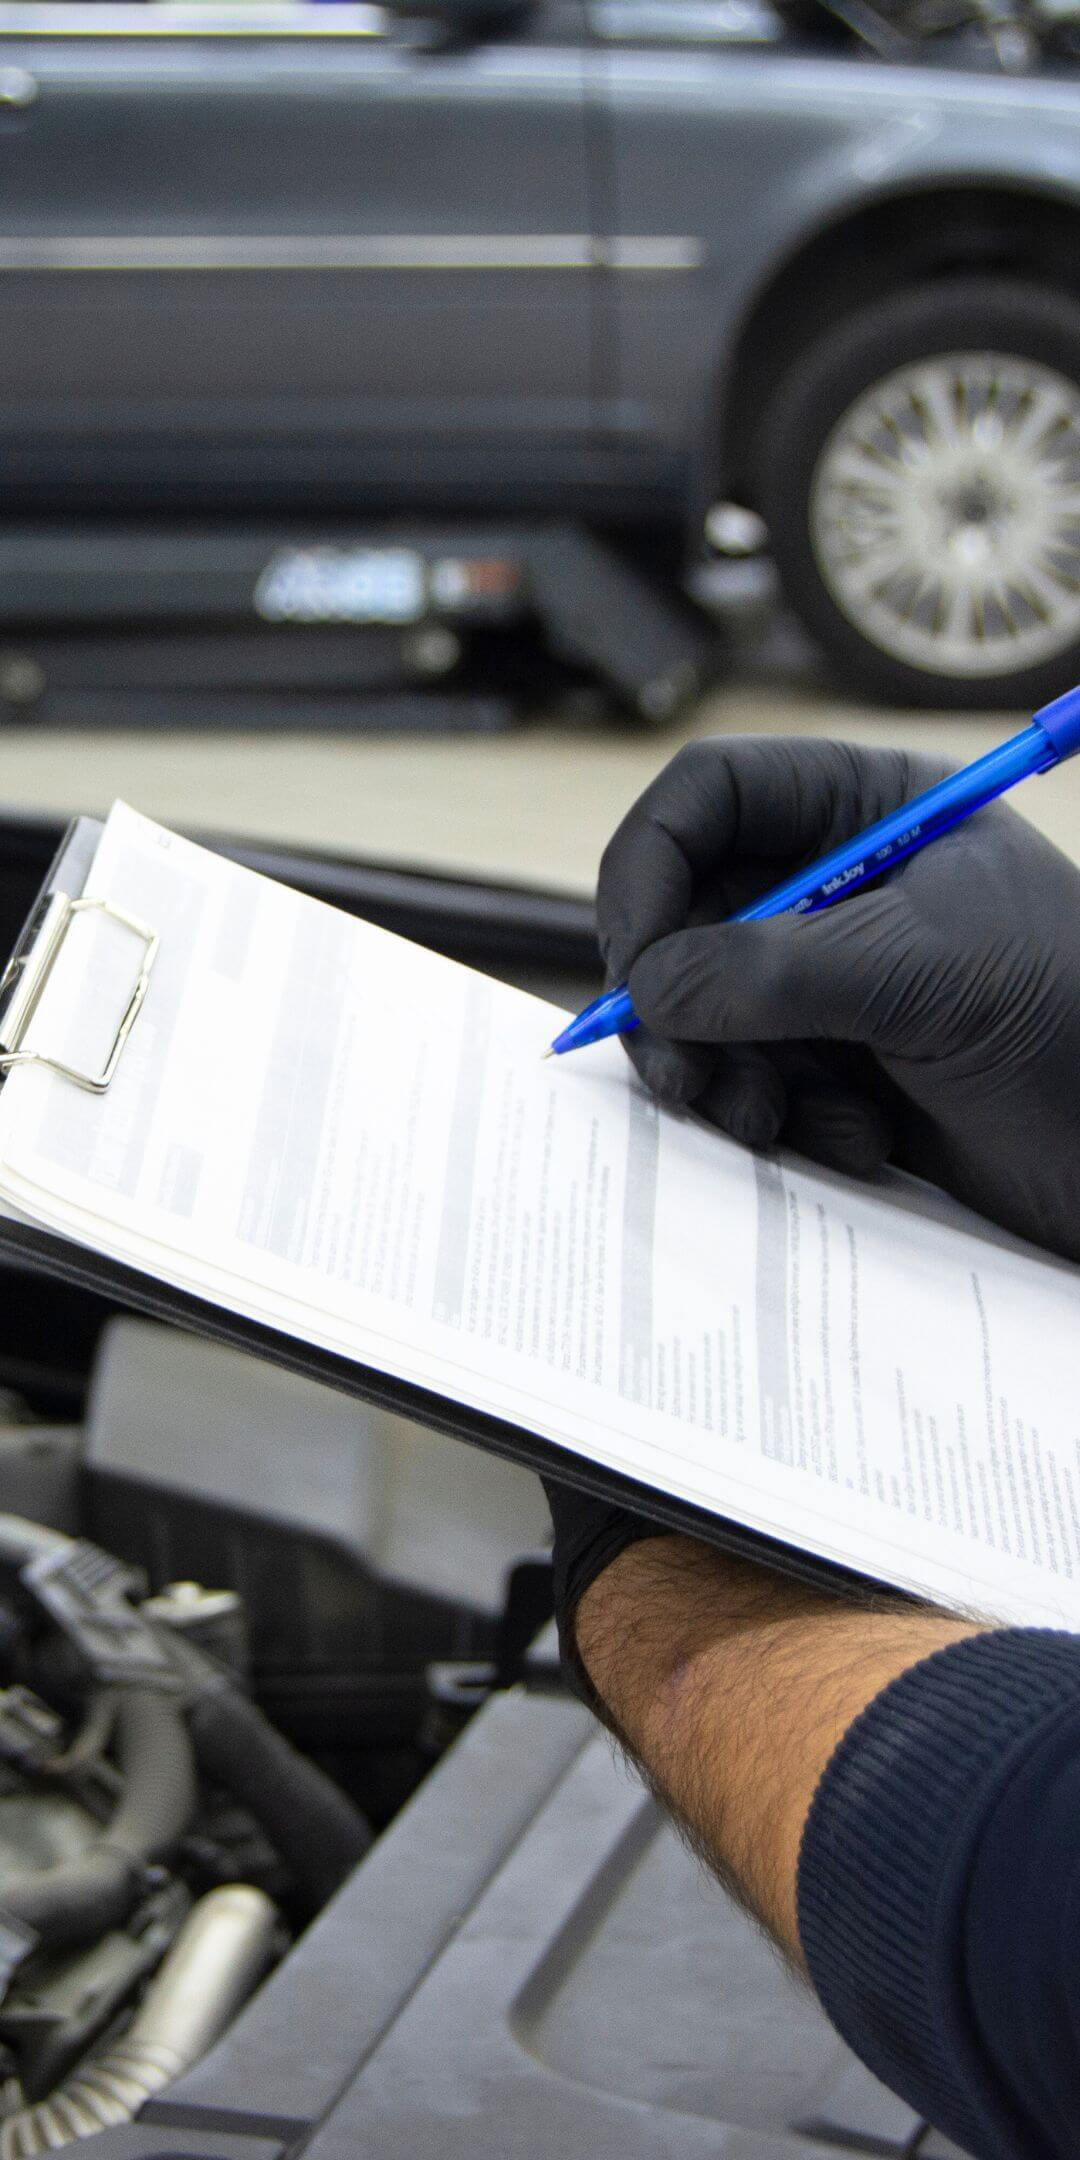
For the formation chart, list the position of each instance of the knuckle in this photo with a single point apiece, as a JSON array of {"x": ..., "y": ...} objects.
[
  {"x": 613, "y": 857},
  {"x": 691, "y": 784},
  {"x": 694, "y": 757}
]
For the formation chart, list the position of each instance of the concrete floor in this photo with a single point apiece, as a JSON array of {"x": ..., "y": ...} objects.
[{"x": 533, "y": 806}]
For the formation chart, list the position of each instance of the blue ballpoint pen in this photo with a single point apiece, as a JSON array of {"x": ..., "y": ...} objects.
[{"x": 1052, "y": 735}]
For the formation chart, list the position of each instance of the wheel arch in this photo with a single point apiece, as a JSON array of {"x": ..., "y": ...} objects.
[{"x": 921, "y": 235}]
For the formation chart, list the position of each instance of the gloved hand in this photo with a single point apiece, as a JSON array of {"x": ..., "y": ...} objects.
[{"x": 933, "y": 1021}]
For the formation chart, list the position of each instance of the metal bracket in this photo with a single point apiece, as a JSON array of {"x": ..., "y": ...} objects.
[{"x": 26, "y": 975}]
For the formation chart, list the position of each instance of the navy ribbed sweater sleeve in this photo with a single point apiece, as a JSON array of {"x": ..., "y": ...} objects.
[{"x": 939, "y": 1892}]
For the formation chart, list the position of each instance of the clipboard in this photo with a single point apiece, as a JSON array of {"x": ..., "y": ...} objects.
[{"x": 61, "y": 900}]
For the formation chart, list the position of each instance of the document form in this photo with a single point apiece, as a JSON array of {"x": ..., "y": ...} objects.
[{"x": 333, "y": 1131}]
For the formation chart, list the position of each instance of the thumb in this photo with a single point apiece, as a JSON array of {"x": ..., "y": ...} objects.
[{"x": 848, "y": 974}]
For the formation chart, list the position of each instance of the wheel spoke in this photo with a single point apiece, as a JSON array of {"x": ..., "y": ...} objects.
[
  {"x": 955, "y": 617},
  {"x": 871, "y": 566},
  {"x": 867, "y": 483},
  {"x": 1002, "y": 598},
  {"x": 921, "y": 589},
  {"x": 1040, "y": 414},
  {"x": 1032, "y": 589},
  {"x": 988, "y": 430},
  {"x": 934, "y": 405},
  {"x": 1052, "y": 580}
]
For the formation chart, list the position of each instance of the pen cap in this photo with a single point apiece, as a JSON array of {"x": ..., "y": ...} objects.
[{"x": 1061, "y": 722}]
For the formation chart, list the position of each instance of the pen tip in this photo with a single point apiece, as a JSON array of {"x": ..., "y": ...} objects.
[{"x": 546, "y": 1054}]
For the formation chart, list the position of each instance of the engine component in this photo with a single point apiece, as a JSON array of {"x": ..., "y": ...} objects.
[
  {"x": 29, "y": 1730},
  {"x": 61, "y": 2001},
  {"x": 318, "y": 1832},
  {"x": 79, "y": 1900},
  {"x": 134, "y": 1772},
  {"x": 216, "y": 1961},
  {"x": 84, "y": 1594},
  {"x": 89, "y": 1599},
  {"x": 88, "y": 1596},
  {"x": 214, "y": 1620}
]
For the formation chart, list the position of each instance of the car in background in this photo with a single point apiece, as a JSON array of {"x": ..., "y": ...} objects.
[{"x": 612, "y": 259}]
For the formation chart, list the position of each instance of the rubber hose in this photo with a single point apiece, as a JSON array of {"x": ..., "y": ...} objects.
[
  {"x": 319, "y": 1833},
  {"x": 157, "y": 1763},
  {"x": 80, "y": 1900}
]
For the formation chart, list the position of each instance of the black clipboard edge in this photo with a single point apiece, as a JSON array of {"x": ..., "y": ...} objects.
[
  {"x": 42, "y": 1252},
  {"x": 66, "y": 874}
]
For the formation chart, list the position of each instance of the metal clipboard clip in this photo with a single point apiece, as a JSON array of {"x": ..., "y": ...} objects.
[{"x": 27, "y": 973}]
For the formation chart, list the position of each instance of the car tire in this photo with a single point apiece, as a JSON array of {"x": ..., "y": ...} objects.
[{"x": 924, "y": 540}]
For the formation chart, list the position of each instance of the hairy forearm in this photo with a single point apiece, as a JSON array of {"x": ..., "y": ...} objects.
[{"x": 731, "y": 1686}]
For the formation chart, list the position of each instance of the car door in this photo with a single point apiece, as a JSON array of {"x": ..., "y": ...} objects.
[
  {"x": 294, "y": 246},
  {"x": 695, "y": 150}
]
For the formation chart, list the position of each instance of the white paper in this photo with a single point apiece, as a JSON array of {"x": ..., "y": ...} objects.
[{"x": 334, "y": 1131}]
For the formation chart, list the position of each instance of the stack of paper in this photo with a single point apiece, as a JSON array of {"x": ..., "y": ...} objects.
[{"x": 327, "y": 1129}]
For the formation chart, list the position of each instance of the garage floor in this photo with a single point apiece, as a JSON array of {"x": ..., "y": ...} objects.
[{"x": 533, "y": 806}]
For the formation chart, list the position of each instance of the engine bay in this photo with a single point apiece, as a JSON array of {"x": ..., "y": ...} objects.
[{"x": 163, "y": 1836}]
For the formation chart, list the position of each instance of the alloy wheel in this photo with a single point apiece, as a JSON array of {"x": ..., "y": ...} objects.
[{"x": 945, "y": 514}]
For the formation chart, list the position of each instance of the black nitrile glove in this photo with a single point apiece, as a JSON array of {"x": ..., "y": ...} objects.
[
  {"x": 933, "y": 1021},
  {"x": 588, "y": 1534}
]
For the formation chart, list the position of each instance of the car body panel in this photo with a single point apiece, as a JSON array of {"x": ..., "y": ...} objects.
[
  {"x": 352, "y": 240},
  {"x": 772, "y": 149},
  {"x": 351, "y": 260}
]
